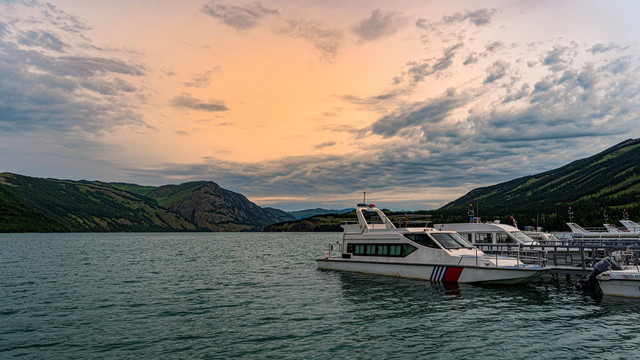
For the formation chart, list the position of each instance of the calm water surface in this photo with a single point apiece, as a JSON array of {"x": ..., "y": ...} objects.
[{"x": 257, "y": 296}]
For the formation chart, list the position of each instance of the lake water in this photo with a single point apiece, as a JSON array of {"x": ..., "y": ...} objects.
[{"x": 258, "y": 296}]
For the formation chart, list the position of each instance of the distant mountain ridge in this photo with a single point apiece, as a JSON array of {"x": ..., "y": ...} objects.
[
  {"x": 302, "y": 214},
  {"x": 29, "y": 204}
]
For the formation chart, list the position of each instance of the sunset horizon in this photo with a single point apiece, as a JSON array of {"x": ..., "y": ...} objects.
[{"x": 306, "y": 104}]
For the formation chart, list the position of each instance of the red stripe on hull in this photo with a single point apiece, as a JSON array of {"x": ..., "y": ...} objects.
[{"x": 452, "y": 274}]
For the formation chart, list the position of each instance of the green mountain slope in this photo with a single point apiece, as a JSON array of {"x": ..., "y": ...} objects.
[
  {"x": 90, "y": 206},
  {"x": 211, "y": 207},
  {"x": 608, "y": 181},
  {"x": 16, "y": 217},
  {"x": 30, "y": 204}
]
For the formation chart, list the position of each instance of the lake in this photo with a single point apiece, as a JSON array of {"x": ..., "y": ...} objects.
[{"x": 260, "y": 295}]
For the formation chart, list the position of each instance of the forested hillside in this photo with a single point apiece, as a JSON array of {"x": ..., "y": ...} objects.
[
  {"x": 606, "y": 182},
  {"x": 29, "y": 204}
]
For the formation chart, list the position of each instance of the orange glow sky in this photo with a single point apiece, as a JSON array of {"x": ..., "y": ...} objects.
[{"x": 301, "y": 104}]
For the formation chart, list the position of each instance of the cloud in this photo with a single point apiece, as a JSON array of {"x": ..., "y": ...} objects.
[
  {"x": 188, "y": 102},
  {"x": 42, "y": 39},
  {"x": 324, "y": 145},
  {"x": 379, "y": 25},
  {"x": 238, "y": 17},
  {"x": 203, "y": 80},
  {"x": 48, "y": 80},
  {"x": 417, "y": 71},
  {"x": 559, "y": 58},
  {"x": 479, "y": 17},
  {"x": 601, "y": 48},
  {"x": 419, "y": 114},
  {"x": 324, "y": 39},
  {"x": 496, "y": 71}
]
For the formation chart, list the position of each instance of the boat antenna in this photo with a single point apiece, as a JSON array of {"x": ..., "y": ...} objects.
[{"x": 364, "y": 196}]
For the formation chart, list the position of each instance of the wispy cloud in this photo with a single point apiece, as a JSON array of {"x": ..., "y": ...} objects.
[
  {"x": 327, "y": 40},
  {"x": 479, "y": 17},
  {"x": 204, "y": 79},
  {"x": 238, "y": 17},
  {"x": 379, "y": 25},
  {"x": 187, "y": 101}
]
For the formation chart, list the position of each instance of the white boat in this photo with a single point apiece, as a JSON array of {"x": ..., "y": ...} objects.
[
  {"x": 420, "y": 253},
  {"x": 625, "y": 282},
  {"x": 608, "y": 232},
  {"x": 488, "y": 233},
  {"x": 619, "y": 275},
  {"x": 631, "y": 226}
]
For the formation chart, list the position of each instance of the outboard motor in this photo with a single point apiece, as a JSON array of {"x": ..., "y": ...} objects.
[{"x": 600, "y": 267}]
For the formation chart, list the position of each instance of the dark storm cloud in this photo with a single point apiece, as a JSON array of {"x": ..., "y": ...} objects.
[
  {"x": 379, "y": 25},
  {"x": 238, "y": 17},
  {"x": 189, "y": 102}
]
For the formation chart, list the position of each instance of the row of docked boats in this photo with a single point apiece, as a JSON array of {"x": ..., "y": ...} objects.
[
  {"x": 447, "y": 253},
  {"x": 630, "y": 229}
]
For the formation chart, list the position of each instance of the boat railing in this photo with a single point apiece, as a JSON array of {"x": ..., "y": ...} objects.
[
  {"x": 335, "y": 249},
  {"x": 523, "y": 255},
  {"x": 577, "y": 255}
]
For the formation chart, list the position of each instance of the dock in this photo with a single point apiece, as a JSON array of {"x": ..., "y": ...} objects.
[{"x": 571, "y": 256}]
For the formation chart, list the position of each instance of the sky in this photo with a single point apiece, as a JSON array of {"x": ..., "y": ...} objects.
[{"x": 308, "y": 103}]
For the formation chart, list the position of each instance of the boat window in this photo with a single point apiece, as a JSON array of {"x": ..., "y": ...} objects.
[
  {"x": 398, "y": 250},
  {"x": 408, "y": 249},
  {"x": 522, "y": 237},
  {"x": 483, "y": 238},
  {"x": 451, "y": 241},
  {"x": 462, "y": 241},
  {"x": 502, "y": 238},
  {"x": 422, "y": 239},
  {"x": 371, "y": 249}
]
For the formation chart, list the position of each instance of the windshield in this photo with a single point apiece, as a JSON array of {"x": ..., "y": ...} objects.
[
  {"x": 452, "y": 241},
  {"x": 522, "y": 237}
]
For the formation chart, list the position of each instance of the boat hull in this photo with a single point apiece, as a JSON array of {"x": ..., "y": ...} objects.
[
  {"x": 620, "y": 283},
  {"x": 436, "y": 273}
]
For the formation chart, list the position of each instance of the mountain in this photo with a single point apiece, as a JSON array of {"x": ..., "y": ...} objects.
[
  {"x": 301, "y": 214},
  {"x": 606, "y": 182},
  {"x": 50, "y": 205},
  {"x": 316, "y": 223},
  {"x": 280, "y": 215},
  {"x": 211, "y": 207}
]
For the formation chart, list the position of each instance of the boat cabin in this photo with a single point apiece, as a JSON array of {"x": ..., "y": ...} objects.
[{"x": 488, "y": 233}]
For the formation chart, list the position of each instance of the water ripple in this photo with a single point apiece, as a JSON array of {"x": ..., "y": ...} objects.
[{"x": 253, "y": 295}]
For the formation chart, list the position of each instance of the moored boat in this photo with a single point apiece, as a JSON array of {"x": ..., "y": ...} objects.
[
  {"x": 625, "y": 282},
  {"x": 620, "y": 279},
  {"x": 419, "y": 252}
]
